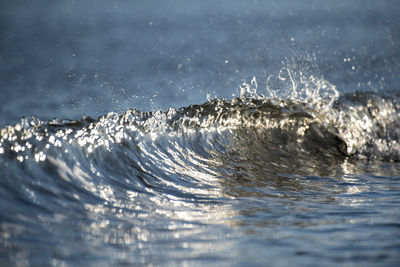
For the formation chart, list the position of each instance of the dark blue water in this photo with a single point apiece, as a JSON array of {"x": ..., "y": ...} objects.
[{"x": 197, "y": 133}]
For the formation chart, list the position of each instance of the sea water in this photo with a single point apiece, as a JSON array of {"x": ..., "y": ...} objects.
[{"x": 200, "y": 133}]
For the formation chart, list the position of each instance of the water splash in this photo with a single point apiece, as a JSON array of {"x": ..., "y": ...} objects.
[
  {"x": 249, "y": 89},
  {"x": 299, "y": 80}
]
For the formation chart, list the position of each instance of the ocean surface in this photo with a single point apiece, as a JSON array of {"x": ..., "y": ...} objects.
[{"x": 223, "y": 133}]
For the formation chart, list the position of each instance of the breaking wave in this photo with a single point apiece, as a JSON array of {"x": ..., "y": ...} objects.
[{"x": 97, "y": 175}]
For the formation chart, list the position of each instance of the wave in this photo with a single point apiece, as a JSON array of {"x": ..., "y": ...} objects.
[
  {"x": 217, "y": 138},
  {"x": 360, "y": 124},
  {"x": 91, "y": 180}
]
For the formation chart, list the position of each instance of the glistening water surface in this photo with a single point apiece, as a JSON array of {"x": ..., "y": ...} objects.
[{"x": 216, "y": 133}]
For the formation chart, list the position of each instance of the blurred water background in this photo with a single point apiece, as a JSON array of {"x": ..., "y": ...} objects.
[{"x": 65, "y": 59}]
